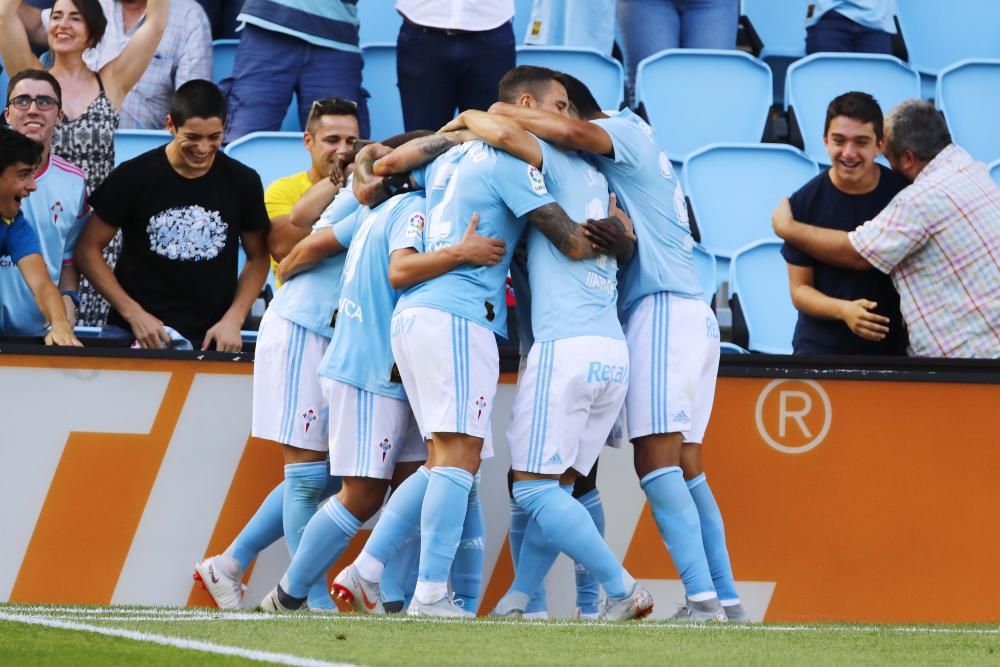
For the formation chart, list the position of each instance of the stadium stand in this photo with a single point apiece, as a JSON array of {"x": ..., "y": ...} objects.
[
  {"x": 379, "y": 22},
  {"x": 995, "y": 171},
  {"x": 130, "y": 143},
  {"x": 604, "y": 76},
  {"x": 780, "y": 25},
  {"x": 815, "y": 80},
  {"x": 4, "y": 80},
  {"x": 379, "y": 76},
  {"x": 734, "y": 187},
  {"x": 271, "y": 154},
  {"x": 223, "y": 56},
  {"x": 938, "y": 34},
  {"x": 704, "y": 267},
  {"x": 522, "y": 16},
  {"x": 760, "y": 300},
  {"x": 968, "y": 93},
  {"x": 695, "y": 97}
]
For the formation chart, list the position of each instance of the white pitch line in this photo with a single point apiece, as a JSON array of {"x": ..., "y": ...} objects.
[{"x": 177, "y": 642}]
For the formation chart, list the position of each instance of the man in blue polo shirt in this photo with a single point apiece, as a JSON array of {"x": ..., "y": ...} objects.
[{"x": 19, "y": 158}]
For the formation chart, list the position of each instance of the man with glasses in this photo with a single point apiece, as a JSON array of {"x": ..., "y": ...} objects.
[
  {"x": 294, "y": 203},
  {"x": 57, "y": 211}
]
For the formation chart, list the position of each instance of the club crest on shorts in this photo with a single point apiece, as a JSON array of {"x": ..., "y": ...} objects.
[
  {"x": 536, "y": 180},
  {"x": 385, "y": 446},
  {"x": 480, "y": 405},
  {"x": 309, "y": 416}
]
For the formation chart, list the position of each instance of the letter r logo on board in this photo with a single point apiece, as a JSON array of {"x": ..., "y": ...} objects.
[{"x": 795, "y": 418}]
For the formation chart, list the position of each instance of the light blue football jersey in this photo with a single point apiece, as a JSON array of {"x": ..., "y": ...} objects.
[
  {"x": 57, "y": 211},
  {"x": 360, "y": 353},
  {"x": 572, "y": 298},
  {"x": 474, "y": 177},
  {"x": 646, "y": 185},
  {"x": 310, "y": 298}
]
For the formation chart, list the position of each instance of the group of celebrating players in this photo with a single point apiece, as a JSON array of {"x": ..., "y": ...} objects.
[{"x": 382, "y": 350}]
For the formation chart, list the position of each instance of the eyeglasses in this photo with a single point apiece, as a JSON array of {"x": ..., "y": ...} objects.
[{"x": 43, "y": 102}]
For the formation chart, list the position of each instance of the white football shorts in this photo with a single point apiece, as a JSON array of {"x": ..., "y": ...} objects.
[
  {"x": 568, "y": 399},
  {"x": 673, "y": 344},
  {"x": 288, "y": 405},
  {"x": 373, "y": 432},
  {"x": 450, "y": 369}
]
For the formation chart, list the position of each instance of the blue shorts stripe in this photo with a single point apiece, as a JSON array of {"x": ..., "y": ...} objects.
[
  {"x": 296, "y": 379},
  {"x": 292, "y": 384},
  {"x": 664, "y": 360},
  {"x": 464, "y": 409},
  {"x": 287, "y": 386},
  {"x": 655, "y": 366}
]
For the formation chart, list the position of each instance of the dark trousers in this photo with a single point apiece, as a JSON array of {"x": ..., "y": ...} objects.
[
  {"x": 438, "y": 72},
  {"x": 836, "y": 32}
]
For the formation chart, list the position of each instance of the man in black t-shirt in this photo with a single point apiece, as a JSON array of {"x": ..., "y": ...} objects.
[
  {"x": 183, "y": 210},
  {"x": 843, "y": 311}
]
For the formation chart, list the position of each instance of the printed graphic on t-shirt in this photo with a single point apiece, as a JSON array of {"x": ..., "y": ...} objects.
[{"x": 187, "y": 233}]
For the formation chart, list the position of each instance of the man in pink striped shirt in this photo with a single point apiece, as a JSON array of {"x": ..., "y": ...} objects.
[
  {"x": 56, "y": 211},
  {"x": 939, "y": 239}
]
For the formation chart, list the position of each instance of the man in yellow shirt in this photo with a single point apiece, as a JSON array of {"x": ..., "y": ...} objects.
[{"x": 294, "y": 203}]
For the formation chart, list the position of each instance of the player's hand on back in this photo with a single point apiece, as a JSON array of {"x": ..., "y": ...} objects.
[
  {"x": 860, "y": 318},
  {"x": 612, "y": 235},
  {"x": 226, "y": 336},
  {"x": 478, "y": 249},
  {"x": 148, "y": 330}
]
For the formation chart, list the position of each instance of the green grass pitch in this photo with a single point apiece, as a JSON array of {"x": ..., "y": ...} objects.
[{"x": 144, "y": 637}]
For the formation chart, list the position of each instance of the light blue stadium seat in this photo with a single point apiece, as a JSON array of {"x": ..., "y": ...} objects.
[
  {"x": 379, "y": 22},
  {"x": 758, "y": 287},
  {"x": 131, "y": 143},
  {"x": 379, "y": 75},
  {"x": 695, "y": 97},
  {"x": 272, "y": 154},
  {"x": 223, "y": 56},
  {"x": 813, "y": 82},
  {"x": 968, "y": 93},
  {"x": 995, "y": 171},
  {"x": 734, "y": 188},
  {"x": 603, "y": 75},
  {"x": 4, "y": 80},
  {"x": 704, "y": 268},
  {"x": 522, "y": 16},
  {"x": 780, "y": 24}
]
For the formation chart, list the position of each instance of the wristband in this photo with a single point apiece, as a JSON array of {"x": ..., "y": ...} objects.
[
  {"x": 73, "y": 295},
  {"x": 396, "y": 184}
]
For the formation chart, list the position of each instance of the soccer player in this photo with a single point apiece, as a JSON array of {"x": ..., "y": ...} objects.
[
  {"x": 19, "y": 159},
  {"x": 576, "y": 376},
  {"x": 57, "y": 211},
  {"x": 673, "y": 341},
  {"x": 445, "y": 347}
]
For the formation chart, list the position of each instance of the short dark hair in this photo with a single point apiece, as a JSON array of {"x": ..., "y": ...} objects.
[
  {"x": 524, "y": 78},
  {"x": 580, "y": 96},
  {"x": 331, "y": 106},
  {"x": 93, "y": 17},
  {"x": 858, "y": 106},
  {"x": 197, "y": 98},
  {"x": 916, "y": 126},
  {"x": 15, "y": 148},
  {"x": 34, "y": 75}
]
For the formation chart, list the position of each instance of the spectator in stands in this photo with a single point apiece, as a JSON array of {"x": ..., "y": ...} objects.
[
  {"x": 222, "y": 16},
  {"x": 648, "y": 26},
  {"x": 856, "y": 26},
  {"x": 183, "y": 210},
  {"x": 843, "y": 311},
  {"x": 19, "y": 159},
  {"x": 295, "y": 202},
  {"x": 309, "y": 48},
  {"x": 572, "y": 24},
  {"x": 939, "y": 239},
  {"x": 56, "y": 211},
  {"x": 91, "y": 99},
  {"x": 184, "y": 53},
  {"x": 451, "y": 55}
]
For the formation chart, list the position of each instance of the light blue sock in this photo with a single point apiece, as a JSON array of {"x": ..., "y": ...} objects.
[
  {"x": 467, "y": 569},
  {"x": 304, "y": 483},
  {"x": 538, "y": 554},
  {"x": 569, "y": 527},
  {"x": 518, "y": 523},
  {"x": 261, "y": 531},
  {"x": 396, "y": 583},
  {"x": 441, "y": 522},
  {"x": 713, "y": 536},
  {"x": 677, "y": 518},
  {"x": 588, "y": 591},
  {"x": 324, "y": 539},
  {"x": 400, "y": 519}
]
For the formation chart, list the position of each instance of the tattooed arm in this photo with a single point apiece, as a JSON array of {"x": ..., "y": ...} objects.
[
  {"x": 574, "y": 241},
  {"x": 367, "y": 186},
  {"x": 418, "y": 152}
]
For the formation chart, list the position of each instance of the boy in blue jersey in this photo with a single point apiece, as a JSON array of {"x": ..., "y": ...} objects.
[
  {"x": 576, "y": 375},
  {"x": 19, "y": 158},
  {"x": 444, "y": 345},
  {"x": 57, "y": 211},
  {"x": 673, "y": 340}
]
